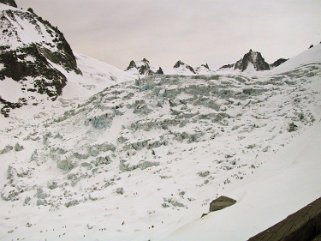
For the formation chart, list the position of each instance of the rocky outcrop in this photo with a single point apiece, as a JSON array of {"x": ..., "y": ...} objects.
[
  {"x": 221, "y": 203},
  {"x": 278, "y": 62},
  {"x": 304, "y": 225},
  {"x": 11, "y": 3}
]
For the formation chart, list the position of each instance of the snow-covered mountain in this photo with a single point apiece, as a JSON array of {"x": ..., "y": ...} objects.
[
  {"x": 121, "y": 158},
  {"x": 30, "y": 47},
  {"x": 36, "y": 62},
  {"x": 252, "y": 61}
]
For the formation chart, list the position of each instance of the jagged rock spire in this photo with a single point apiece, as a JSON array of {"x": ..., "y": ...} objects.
[{"x": 253, "y": 57}]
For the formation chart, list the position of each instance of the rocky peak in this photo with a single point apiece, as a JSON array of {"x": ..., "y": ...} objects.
[
  {"x": 254, "y": 58},
  {"x": 205, "y": 66},
  {"x": 142, "y": 67},
  {"x": 146, "y": 61},
  {"x": 131, "y": 65},
  {"x": 11, "y": 3},
  {"x": 180, "y": 64}
]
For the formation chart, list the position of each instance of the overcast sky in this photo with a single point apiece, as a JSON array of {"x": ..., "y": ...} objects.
[{"x": 195, "y": 31}]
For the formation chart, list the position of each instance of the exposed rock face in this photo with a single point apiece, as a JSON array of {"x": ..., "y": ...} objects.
[
  {"x": 28, "y": 61},
  {"x": 221, "y": 203},
  {"x": 11, "y": 3},
  {"x": 180, "y": 64},
  {"x": 278, "y": 62},
  {"x": 311, "y": 46},
  {"x": 145, "y": 70},
  {"x": 227, "y": 66},
  {"x": 304, "y": 225},
  {"x": 254, "y": 58}
]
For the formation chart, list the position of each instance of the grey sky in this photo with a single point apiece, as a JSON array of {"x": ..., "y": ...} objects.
[{"x": 195, "y": 31}]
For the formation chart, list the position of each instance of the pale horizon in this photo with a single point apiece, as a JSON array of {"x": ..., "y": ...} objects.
[{"x": 213, "y": 32}]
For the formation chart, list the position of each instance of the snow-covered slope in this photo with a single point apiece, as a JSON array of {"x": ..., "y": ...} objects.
[
  {"x": 96, "y": 76},
  {"x": 309, "y": 56},
  {"x": 289, "y": 181}
]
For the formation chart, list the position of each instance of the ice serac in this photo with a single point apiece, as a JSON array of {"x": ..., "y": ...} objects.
[
  {"x": 11, "y": 3},
  {"x": 32, "y": 54}
]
